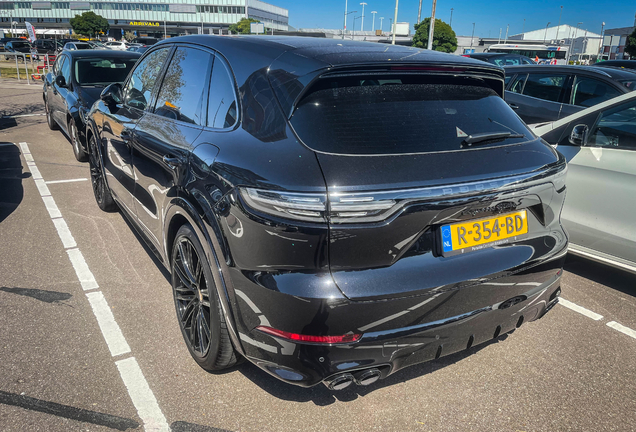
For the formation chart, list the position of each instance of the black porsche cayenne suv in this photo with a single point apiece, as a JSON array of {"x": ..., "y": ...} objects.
[{"x": 332, "y": 211}]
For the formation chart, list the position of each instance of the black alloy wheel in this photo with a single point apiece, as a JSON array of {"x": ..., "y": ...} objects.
[
  {"x": 78, "y": 148},
  {"x": 49, "y": 117},
  {"x": 101, "y": 191},
  {"x": 200, "y": 318}
]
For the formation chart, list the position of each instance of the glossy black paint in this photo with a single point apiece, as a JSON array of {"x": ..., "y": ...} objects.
[
  {"x": 386, "y": 279},
  {"x": 73, "y": 101},
  {"x": 534, "y": 110}
]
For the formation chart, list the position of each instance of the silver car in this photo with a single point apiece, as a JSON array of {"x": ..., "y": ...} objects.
[{"x": 600, "y": 146}]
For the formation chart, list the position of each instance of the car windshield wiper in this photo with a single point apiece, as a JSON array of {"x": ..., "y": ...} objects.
[{"x": 488, "y": 136}]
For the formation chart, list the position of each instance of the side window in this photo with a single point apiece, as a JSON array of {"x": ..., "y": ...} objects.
[
  {"x": 57, "y": 67},
  {"x": 138, "y": 89},
  {"x": 65, "y": 71},
  {"x": 589, "y": 92},
  {"x": 183, "y": 90},
  {"x": 508, "y": 78},
  {"x": 616, "y": 128},
  {"x": 222, "y": 105},
  {"x": 517, "y": 84},
  {"x": 545, "y": 86}
]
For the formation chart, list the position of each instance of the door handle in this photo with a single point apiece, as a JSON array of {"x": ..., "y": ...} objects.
[
  {"x": 172, "y": 162},
  {"x": 513, "y": 106}
]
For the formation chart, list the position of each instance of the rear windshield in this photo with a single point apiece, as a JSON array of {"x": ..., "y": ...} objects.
[
  {"x": 397, "y": 115},
  {"x": 21, "y": 45},
  {"x": 82, "y": 46},
  {"x": 102, "y": 72}
]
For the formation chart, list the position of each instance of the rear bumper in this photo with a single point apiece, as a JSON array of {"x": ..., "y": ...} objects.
[{"x": 394, "y": 349}]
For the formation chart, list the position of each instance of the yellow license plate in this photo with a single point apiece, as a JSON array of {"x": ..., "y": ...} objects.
[{"x": 482, "y": 233}]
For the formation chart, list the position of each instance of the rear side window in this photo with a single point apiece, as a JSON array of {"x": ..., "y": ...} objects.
[
  {"x": 517, "y": 85},
  {"x": 182, "y": 91},
  {"x": 393, "y": 115},
  {"x": 222, "y": 107},
  {"x": 545, "y": 86},
  {"x": 589, "y": 92}
]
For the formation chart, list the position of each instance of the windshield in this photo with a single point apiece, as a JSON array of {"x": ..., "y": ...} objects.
[
  {"x": 397, "y": 115},
  {"x": 102, "y": 72}
]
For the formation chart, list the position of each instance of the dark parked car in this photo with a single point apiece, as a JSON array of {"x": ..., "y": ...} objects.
[
  {"x": 331, "y": 210},
  {"x": 48, "y": 46},
  {"x": 20, "y": 46},
  {"x": 544, "y": 93},
  {"x": 77, "y": 79},
  {"x": 626, "y": 64},
  {"x": 502, "y": 59},
  {"x": 145, "y": 40},
  {"x": 3, "y": 41}
]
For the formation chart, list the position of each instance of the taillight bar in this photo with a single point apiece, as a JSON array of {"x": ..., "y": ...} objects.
[{"x": 348, "y": 338}]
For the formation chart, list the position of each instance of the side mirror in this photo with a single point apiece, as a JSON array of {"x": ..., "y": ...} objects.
[
  {"x": 579, "y": 135},
  {"x": 111, "y": 95},
  {"x": 60, "y": 81}
]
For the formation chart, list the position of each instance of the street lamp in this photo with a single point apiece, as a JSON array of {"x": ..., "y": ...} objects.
[
  {"x": 545, "y": 35},
  {"x": 559, "y": 26},
  {"x": 381, "y": 26},
  {"x": 600, "y": 49},
  {"x": 373, "y": 13},
  {"x": 451, "y": 20},
  {"x": 471, "y": 38},
  {"x": 363, "y": 4},
  {"x": 431, "y": 28},
  {"x": 345, "y": 18},
  {"x": 395, "y": 21},
  {"x": 353, "y": 32}
]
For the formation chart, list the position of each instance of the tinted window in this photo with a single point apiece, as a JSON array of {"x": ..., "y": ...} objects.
[
  {"x": 616, "y": 128},
  {"x": 182, "y": 91},
  {"x": 545, "y": 86},
  {"x": 138, "y": 90},
  {"x": 65, "y": 71},
  {"x": 99, "y": 71},
  {"x": 222, "y": 107},
  {"x": 360, "y": 116},
  {"x": 57, "y": 66},
  {"x": 588, "y": 92},
  {"x": 517, "y": 85}
]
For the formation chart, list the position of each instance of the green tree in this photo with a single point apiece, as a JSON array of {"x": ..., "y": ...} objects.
[
  {"x": 630, "y": 46},
  {"x": 89, "y": 24},
  {"x": 444, "y": 38},
  {"x": 243, "y": 26}
]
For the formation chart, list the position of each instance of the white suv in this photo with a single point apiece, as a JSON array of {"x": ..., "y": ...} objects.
[{"x": 116, "y": 45}]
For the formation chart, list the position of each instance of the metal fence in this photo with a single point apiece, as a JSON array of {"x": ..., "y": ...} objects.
[{"x": 46, "y": 67}]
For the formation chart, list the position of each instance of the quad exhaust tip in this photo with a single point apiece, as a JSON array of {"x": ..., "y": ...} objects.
[{"x": 362, "y": 378}]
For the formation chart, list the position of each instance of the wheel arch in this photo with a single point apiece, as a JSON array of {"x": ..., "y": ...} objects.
[{"x": 181, "y": 211}]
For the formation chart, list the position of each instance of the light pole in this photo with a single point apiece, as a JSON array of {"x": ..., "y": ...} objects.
[
  {"x": 506, "y": 38},
  {"x": 499, "y": 40},
  {"x": 353, "y": 32},
  {"x": 523, "y": 29},
  {"x": 431, "y": 28},
  {"x": 344, "y": 29},
  {"x": 419, "y": 13},
  {"x": 343, "y": 33},
  {"x": 559, "y": 26},
  {"x": 395, "y": 22},
  {"x": 451, "y": 20},
  {"x": 471, "y": 38},
  {"x": 363, "y": 4},
  {"x": 600, "y": 49},
  {"x": 381, "y": 25},
  {"x": 373, "y": 13},
  {"x": 545, "y": 35}
]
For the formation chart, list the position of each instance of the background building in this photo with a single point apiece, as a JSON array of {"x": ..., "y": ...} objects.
[
  {"x": 614, "y": 43},
  {"x": 147, "y": 17}
]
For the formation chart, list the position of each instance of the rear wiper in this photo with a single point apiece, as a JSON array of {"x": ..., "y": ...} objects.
[{"x": 488, "y": 136}]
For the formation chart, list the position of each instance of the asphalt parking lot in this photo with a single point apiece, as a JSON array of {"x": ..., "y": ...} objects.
[{"x": 89, "y": 338}]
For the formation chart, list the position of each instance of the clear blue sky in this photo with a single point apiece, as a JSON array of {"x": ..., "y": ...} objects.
[{"x": 488, "y": 16}]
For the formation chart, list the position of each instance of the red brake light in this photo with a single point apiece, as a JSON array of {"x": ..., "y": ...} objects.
[{"x": 348, "y": 338}]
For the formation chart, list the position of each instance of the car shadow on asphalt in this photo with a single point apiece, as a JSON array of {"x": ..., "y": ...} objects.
[
  {"x": 322, "y": 396},
  {"x": 11, "y": 176},
  {"x": 619, "y": 280}
]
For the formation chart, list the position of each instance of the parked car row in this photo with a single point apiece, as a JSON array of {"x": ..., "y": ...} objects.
[{"x": 307, "y": 225}]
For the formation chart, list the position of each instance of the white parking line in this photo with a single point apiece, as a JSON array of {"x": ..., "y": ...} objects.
[
  {"x": 66, "y": 181},
  {"x": 576, "y": 308},
  {"x": 140, "y": 393},
  {"x": 621, "y": 328}
]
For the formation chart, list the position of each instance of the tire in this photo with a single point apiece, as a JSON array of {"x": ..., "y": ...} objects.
[
  {"x": 78, "y": 148},
  {"x": 197, "y": 304},
  {"x": 49, "y": 117},
  {"x": 103, "y": 197}
]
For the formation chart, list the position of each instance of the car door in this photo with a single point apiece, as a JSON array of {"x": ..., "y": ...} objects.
[
  {"x": 57, "y": 104},
  {"x": 587, "y": 92},
  {"x": 540, "y": 97},
  {"x": 600, "y": 204},
  {"x": 165, "y": 137},
  {"x": 120, "y": 122}
]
